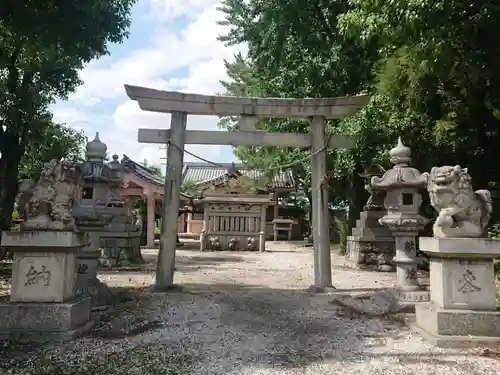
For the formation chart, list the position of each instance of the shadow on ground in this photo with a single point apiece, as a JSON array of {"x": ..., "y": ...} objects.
[
  {"x": 237, "y": 325},
  {"x": 228, "y": 327}
]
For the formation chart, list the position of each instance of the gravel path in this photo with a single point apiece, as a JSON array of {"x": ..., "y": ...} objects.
[{"x": 245, "y": 313}]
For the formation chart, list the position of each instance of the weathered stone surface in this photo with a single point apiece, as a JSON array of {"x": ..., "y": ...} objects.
[
  {"x": 48, "y": 202},
  {"x": 42, "y": 240},
  {"x": 43, "y": 277},
  {"x": 463, "y": 212},
  {"x": 44, "y": 264},
  {"x": 118, "y": 248},
  {"x": 44, "y": 321},
  {"x": 371, "y": 245},
  {"x": 461, "y": 272},
  {"x": 447, "y": 322},
  {"x": 463, "y": 304},
  {"x": 371, "y": 252},
  {"x": 377, "y": 303},
  {"x": 456, "y": 328},
  {"x": 87, "y": 264}
]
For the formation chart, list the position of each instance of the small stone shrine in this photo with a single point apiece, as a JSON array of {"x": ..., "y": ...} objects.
[
  {"x": 403, "y": 186},
  {"x": 92, "y": 216},
  {"x": 462, "y": 309},
  {"x": 121, "y": 239},
  {"x": 43, "y": 302},
  {"x": 371, "y": 245},
  {"x": 234, "y": 215}
]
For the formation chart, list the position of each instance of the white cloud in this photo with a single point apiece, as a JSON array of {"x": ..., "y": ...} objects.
[
  {"x": 194, "y": 47},
  {"x": 167, "y": 10},
  {"x": 128, "y": 118}
]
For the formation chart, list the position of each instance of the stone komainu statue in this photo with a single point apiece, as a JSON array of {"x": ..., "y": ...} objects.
[
  {"x": 47, "y": 203},
  {"x": 462, "y": 212}
]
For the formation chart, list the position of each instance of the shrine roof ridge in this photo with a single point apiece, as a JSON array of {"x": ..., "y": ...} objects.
[
  {"x": 145, "y": 173},
  {"x": 205, "y": 172}
]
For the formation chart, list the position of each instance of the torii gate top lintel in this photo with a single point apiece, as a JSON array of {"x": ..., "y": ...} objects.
[{"x": 194, "y": 104}]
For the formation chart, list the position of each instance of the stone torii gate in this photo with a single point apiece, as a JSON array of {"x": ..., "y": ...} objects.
[{"x": 179, "y": 105}]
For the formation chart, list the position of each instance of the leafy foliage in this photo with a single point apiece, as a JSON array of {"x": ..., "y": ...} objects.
[
  {"x": 57, "y": 141},
  {"x": 190, "y": 187}
]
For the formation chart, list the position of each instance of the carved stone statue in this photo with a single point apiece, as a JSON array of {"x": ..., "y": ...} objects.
[
  {"x": 232, "y": 244},
  {"x": 214, "y": 243},
  {"x": 462, "y": 211},
  {"x": 252, "y": 244},
  {"x": 49, "y": 201}
]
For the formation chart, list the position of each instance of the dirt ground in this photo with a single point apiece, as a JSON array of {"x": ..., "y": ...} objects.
[{"x": 243, "y": 313}]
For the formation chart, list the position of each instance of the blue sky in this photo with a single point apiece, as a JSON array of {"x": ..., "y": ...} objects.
[{"x": 172, "y": 46}]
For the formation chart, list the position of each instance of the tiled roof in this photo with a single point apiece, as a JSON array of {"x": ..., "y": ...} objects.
[
  {"x": 141, "y": 171},
  {"x": 144, "y": 173},
  {"x": 203, "y": 172}
]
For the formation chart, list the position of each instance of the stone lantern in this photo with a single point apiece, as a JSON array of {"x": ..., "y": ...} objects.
[
  {"x": 370, "y": 244},
  {"x": 121, "y": 240},
  {"x": 93, "y": 214},
  {"x": 403, "y": 186}
]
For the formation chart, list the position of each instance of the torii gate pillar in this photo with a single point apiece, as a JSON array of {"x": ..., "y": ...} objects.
[{"x": 319, "y": 206}]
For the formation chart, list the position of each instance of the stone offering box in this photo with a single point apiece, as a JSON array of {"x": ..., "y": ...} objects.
[
  {"x": 462, "y": 310},
  {"x": 42, "y": 301}
]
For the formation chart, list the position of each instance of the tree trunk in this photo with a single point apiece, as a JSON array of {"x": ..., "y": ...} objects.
[{"x": 8, "y": 188}]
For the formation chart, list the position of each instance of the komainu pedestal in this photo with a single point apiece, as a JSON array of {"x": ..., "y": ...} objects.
[
  {"x": 43, "y": 304},
  {"x": 462, "y": 310}
]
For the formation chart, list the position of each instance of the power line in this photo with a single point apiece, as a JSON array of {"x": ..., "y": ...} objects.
[{"x": 279, "y": 167}]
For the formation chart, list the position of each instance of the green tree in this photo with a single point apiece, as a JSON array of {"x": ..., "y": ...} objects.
[
  {"x": 437, "y": 66},
  {"x": 43, "y": 45},
  {"x": 57, "y": 141},
  {"x": 190, "y": 187}
]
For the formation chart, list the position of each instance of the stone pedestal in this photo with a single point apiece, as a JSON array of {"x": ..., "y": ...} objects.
[
  {"x": 87, "y": 265},
  {"x": 118, "y": 248},
  {"x": 43, "y": 304},
  {"x": 88, "y": 261},
  {"x": 462, "y": 310},
  {"x": 371, "y": 245},
  {"x": 407, "y": 281}
]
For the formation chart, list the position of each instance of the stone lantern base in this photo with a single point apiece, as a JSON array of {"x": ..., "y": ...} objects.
[
  {"x": 462, "y": 310},
  {"x": 371, "y": 245},
  {"x": 119, "y": 247},
  {"x": 43, "y": 305}
]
